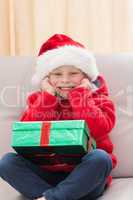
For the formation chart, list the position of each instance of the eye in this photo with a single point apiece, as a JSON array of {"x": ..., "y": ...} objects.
[
  {"x": 74, "y": 73},
  {"x": 57, "y": 74}
]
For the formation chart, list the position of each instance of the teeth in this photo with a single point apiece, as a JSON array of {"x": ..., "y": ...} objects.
[{"x": 66, "y": 87}]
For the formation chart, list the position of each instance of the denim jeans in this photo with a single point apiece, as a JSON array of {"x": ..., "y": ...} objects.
[{"x": 87, "y": 181}]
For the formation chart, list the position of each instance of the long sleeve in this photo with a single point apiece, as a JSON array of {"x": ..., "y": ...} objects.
[
  {"x": 40, "y": 106},
  {"x": 99, "y": 113}
]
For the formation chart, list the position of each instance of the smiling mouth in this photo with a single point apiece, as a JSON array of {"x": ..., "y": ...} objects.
[{"x": 65, "y": 88}]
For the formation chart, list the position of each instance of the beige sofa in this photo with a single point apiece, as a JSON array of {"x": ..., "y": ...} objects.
[{"x": 15, "y": 75}]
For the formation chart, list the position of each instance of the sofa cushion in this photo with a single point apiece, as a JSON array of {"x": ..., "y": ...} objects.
[
  {"x": 9, "y": 193},
  {"x": 118, "y": 70},
  {"x": 121, "y": 189},
  {"x": 15, "y": 76}
]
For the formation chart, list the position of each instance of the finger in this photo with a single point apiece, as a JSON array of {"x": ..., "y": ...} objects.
[
  {"x": 44, "y": 81},
  {"x": 81, "y": 85},
  {"x": 50, "y": 82},
  {"x": 85, "y": 80}
]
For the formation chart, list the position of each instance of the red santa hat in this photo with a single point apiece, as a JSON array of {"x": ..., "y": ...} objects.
[{"x": 61, "y": 50}]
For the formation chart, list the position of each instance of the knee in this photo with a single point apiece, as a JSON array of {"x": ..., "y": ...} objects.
[
  {"x": 100, "y": 158},
  {"x": 7, "y": 161}
]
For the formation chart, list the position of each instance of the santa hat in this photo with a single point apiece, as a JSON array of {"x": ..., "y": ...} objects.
[{"x": 61, "y": 50}]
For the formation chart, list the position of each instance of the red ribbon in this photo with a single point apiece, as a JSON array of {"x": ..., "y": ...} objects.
[{"x": 45, "y": 133}]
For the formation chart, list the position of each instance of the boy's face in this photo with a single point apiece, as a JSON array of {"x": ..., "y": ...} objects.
[{"x": 64, "y": 78}]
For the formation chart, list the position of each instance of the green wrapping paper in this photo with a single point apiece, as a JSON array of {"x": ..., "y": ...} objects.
[{"x": 65, "y": 139}]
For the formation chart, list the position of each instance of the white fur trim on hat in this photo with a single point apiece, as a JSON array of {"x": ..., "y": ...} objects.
[{"x": 65, "y": 55}]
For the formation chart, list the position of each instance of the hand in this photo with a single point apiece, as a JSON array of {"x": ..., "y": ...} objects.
[
  {"x": 85, "y": 83},
  {"x": 46, "y": 86}
]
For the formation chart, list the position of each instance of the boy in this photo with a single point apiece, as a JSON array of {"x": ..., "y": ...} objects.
[{"x": 70, "y": 88}]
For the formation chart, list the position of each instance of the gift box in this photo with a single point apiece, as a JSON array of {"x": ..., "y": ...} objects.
[{"x": 52, "y": 141}]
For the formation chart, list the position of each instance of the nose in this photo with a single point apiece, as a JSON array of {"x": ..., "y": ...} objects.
[{"x": 65, "y": 79}]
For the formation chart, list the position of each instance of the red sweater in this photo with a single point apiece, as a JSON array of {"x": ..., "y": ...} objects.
[{"x": 94, "y": 107}]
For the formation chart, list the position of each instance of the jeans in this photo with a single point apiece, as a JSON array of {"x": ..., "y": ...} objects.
[{"x": 87, "y": 180}]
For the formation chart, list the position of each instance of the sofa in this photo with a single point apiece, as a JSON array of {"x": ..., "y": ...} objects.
[{"x": 15, "y": 85}]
